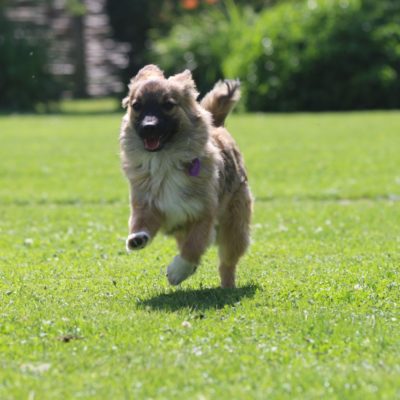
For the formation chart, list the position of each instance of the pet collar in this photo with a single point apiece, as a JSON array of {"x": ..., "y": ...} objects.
[{"x": 194, "y": 167}]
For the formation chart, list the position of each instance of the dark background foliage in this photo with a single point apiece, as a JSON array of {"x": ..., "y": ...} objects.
[
  {"x": 131, "y": 22},
  {"x": 140, "y": 22},
  {"x": 309, "y": 55},
  {"x": 24, "y": 77},
  {"x": 289, "y": 54},
  {"x": 328, "y": 58}
]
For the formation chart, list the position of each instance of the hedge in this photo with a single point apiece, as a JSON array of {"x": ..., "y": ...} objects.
[{"x": 297, "y": 55}]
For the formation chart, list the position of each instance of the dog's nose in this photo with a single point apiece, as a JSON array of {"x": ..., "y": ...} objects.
[{"x": 150, "y": 123}]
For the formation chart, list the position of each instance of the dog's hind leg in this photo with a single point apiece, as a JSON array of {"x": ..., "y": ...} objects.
[{"x": 233, "y": 236}]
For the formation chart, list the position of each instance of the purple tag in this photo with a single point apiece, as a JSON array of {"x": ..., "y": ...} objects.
[{"x": 194, "y": 167}]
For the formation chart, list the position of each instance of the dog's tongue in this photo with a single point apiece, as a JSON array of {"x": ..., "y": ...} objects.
[{"x": 152, "y": 143}]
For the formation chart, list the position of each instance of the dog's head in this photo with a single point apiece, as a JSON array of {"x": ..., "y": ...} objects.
[{"x": 159, "y": 109}]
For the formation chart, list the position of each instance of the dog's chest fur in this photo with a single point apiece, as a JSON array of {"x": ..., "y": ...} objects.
[{"x": 166, "y": 185}]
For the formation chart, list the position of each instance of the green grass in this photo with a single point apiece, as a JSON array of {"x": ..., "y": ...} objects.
[{"x": 316, "y": 312}]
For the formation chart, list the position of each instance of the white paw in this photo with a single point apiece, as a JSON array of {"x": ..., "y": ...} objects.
[
  {"x": 179, "y": 270},
  {"x": 137, "y": 240}
]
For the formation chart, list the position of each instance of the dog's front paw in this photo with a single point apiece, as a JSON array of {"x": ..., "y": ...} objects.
[
  {"x": 179, "y": 270},
  {"x": 137, "y": 241}
]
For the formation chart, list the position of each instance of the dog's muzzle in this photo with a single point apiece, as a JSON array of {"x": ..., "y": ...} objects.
[{"x": 151, "y": 132}]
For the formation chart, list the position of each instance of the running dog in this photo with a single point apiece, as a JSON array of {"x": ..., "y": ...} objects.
[{"x": 186, "y": 174}]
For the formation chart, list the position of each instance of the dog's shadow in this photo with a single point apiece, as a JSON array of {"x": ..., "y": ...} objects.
[{"x": 198, "y": 299}]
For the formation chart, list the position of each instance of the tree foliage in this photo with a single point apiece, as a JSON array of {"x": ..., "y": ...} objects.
[
  {"x": 300, "y": 55},
  {"x": 25, "y": 80}
]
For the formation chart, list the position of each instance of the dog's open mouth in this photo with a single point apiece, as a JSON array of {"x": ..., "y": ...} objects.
[{"x": 152, "y": 143}]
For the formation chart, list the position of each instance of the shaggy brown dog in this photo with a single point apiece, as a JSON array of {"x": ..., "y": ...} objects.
[{"x": 185, "y": 172}]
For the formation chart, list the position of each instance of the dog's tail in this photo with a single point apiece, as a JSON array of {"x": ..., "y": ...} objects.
[{"x": 221, "y": 99}]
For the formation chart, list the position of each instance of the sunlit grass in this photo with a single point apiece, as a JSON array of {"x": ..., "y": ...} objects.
[
  {"x": 98, "y": 106},
  {"x": 316, "y": 313}
]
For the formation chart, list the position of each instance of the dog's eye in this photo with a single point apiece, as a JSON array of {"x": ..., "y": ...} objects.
[
  {"x": 136, "y": 106},
  {"x": 169, "y": 105}
]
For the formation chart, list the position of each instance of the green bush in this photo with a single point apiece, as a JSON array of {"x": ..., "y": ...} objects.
[
  {"x": 134, "y": 22},
  {"x": 25, "y": 81},
  {"x": 201, "y": 43},
  {"x": 298, "y": 55},
  {"x": 321, "y": 55},
  {"x": 194, "y": 43}
]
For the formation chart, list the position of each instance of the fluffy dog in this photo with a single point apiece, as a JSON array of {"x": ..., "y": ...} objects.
[{"x": 185, "y": 171}]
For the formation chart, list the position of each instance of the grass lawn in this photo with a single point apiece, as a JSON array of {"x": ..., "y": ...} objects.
[{"x": 316, "y": 312}]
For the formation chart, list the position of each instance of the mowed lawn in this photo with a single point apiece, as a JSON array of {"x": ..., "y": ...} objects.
[{"x": 316, "y": 312}]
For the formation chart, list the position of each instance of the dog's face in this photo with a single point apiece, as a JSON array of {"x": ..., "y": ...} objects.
[
  {"x": 154, "y": 117},
  {"x": 159, "y": 109}
]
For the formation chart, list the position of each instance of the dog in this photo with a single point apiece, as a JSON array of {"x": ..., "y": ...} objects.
[{"x": 185, "y": 172}]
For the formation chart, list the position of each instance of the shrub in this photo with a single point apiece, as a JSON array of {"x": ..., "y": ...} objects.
[
  {"x": 319, "y": 55},
  {"x": 202, "y": 43},
  {"x": 308, "y": 55},
  {"x": 135, "y": 21}
]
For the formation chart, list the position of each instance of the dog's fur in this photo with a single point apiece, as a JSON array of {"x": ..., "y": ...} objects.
[{"x": 165, "y": 131}]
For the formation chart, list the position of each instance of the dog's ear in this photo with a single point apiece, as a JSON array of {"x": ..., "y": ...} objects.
[
  {"x": 186, "y": 82},
  {"x": 125, "y": 101},
  {"x": 148, "y": 72}
]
